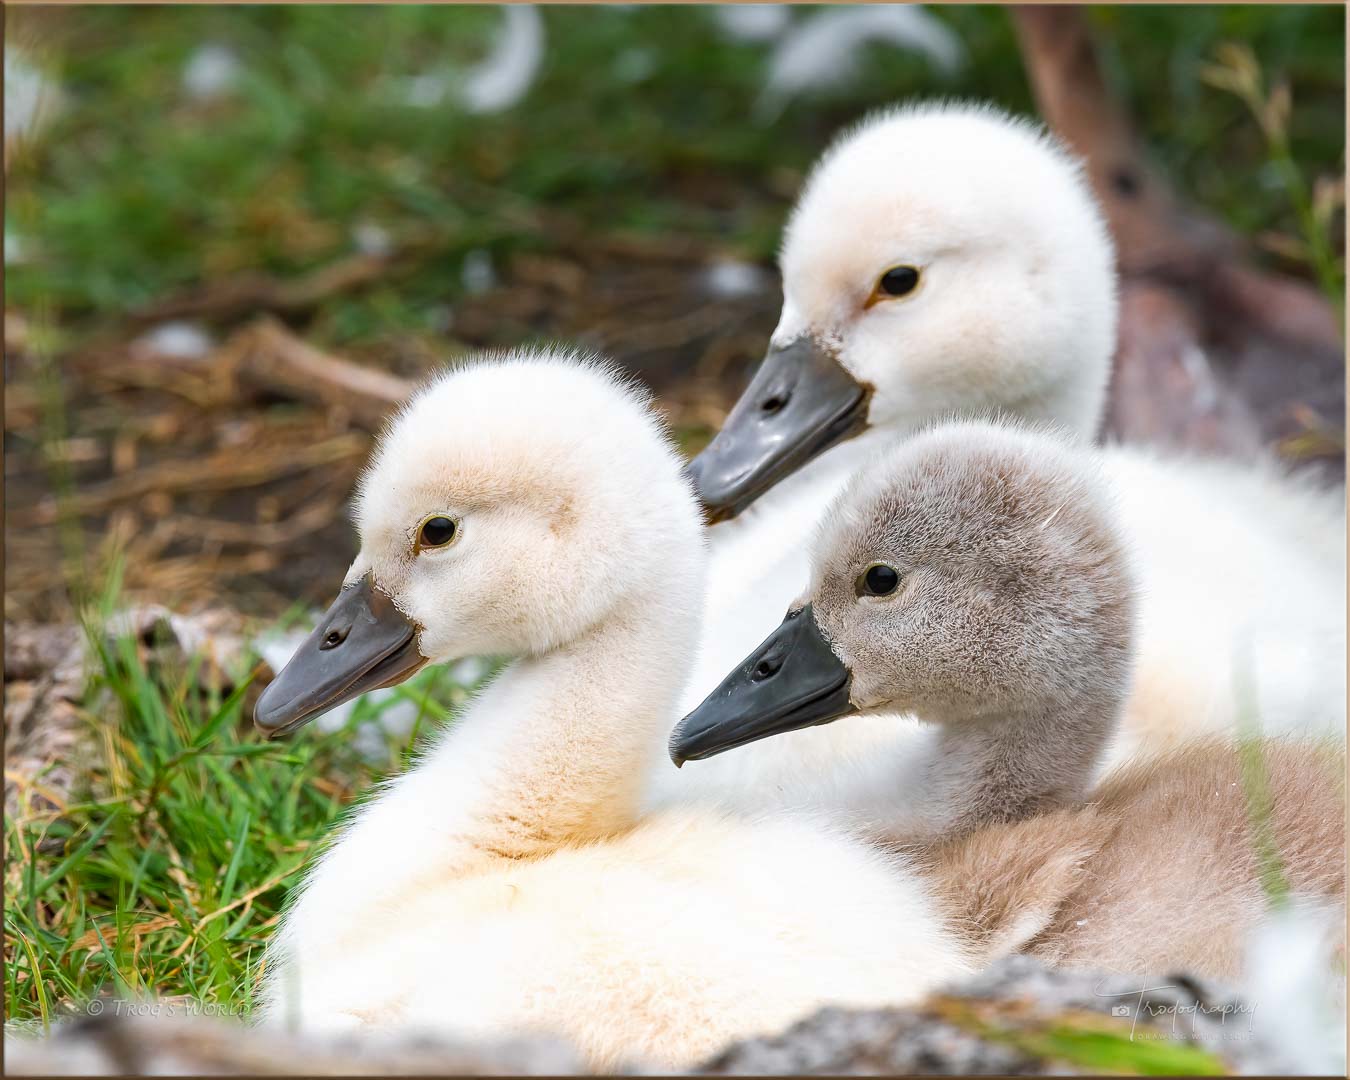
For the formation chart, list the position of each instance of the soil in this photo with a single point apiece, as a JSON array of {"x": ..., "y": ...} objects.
[
  {"x": 223, "y": 489},
  {"x": 217, "y": 490}
]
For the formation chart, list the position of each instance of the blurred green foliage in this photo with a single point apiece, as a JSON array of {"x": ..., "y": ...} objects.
[
  {"x": 166, "y": 869},
  {"x": 642, "y": 119}
]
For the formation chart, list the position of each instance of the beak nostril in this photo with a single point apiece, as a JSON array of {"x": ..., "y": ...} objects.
[
  {"x": 333, "y": 639},
  {"x": 765, "y": 668},
  {"x": 773, "y": 404}
]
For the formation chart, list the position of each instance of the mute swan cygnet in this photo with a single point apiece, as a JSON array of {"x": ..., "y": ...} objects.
[
  {"x": 948, "y": 259},
  {"x": 533, "y": 507},
  {"x": 972, "y": 577}
]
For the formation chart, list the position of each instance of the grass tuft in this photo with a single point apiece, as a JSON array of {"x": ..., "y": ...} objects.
[{"x": 165, "y": 872}]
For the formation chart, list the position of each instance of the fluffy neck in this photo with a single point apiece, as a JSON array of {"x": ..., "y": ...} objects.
[
  {"x": 555, "y": 751},
  {"x": 1066, "y": 393},
  {"x": 978, "y": 771},
  {"x": 552, "y": 752}
]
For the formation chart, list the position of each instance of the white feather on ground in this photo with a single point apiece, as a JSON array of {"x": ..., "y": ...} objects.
[
  {"x": 509, "y": 71},
  {"x": 30, "y": 97},
  {"x": 728, "y": 278},
  {"x": 175, "y": 340},
  {"x": 211, "y": 73},
  {"x": 371, "y": 239},
  {"x": 752, "y": 22},
  {"x": 499, "y": 81},
  {"x": 420, "y": 91},
  {"x": 477, "y": 273},
  {"x": 822, "y": 51},
  {"x": 16, "y": 248}
]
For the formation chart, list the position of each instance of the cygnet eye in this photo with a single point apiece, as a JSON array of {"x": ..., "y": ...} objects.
[
  {"x": 897, "y": 281},
  {"x": 436, "y": 532},
  {"x": 878, "y": 580}
]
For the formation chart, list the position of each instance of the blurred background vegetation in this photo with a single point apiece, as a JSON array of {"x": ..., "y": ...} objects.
[
  {"x": 213, "y": 162},
  {"x": 641, "y": 118},
  {"x": 199, "y": 167}
]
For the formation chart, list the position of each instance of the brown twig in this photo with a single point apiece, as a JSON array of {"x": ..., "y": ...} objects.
[
  {"x": 250, "y": 292},
  {"x": 267, "y": 355},
  {"x": 1061, "y": 60},
  {"x": 306, "y": 520},
  {"x": 1214, "y": 353},
  {"x": 225, "y": 469}
]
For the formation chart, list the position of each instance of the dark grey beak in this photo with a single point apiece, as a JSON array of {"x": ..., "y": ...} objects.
[
  {"x": 799, "y": 404},
  {"x": 793, "y": 680},
  {"x": 363, "y": 643}
]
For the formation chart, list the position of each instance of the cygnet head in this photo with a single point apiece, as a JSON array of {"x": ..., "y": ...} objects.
[
  {"x": 941, "y": 259},
  {"x": 969, "y": 576},
  {"x": 513, "y": 505}
]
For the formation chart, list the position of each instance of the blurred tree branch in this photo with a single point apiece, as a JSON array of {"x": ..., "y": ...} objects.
[{"x": 1214, "y": 353}]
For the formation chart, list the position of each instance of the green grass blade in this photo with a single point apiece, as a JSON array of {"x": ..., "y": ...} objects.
[
  {"x": 240, "y": 844},
  {"x": 73, "y": 859}
]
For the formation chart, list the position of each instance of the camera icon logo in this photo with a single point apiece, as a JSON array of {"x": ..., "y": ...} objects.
[{"x": 1120, "y": 1010}]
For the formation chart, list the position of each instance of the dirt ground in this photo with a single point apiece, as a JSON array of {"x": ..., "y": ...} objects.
[
  {"x": 221, "y": 480},
  {"x": 219, "y": 488},
  {"x": 221, "y": 475}
]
